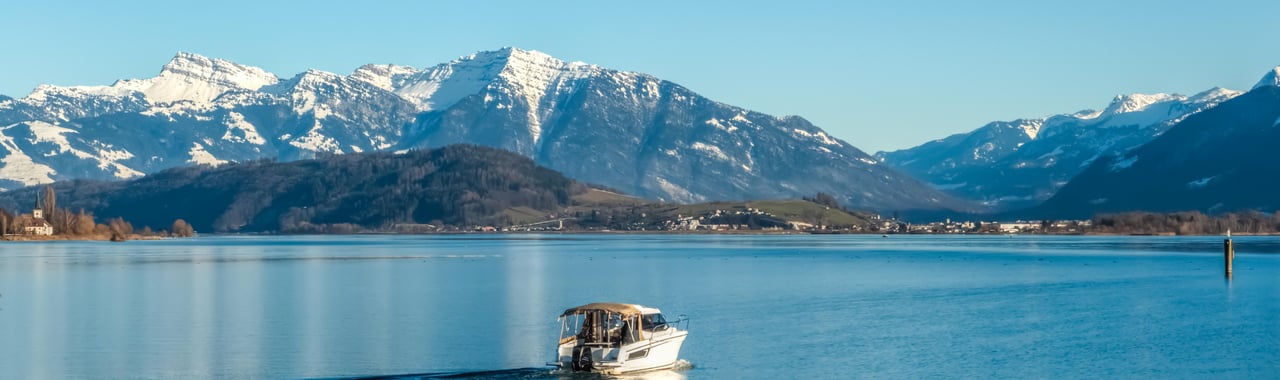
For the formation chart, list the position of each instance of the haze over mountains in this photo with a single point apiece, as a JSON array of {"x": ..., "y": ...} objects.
[{"x": 629, "y": 131}]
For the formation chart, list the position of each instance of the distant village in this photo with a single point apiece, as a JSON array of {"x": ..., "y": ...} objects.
[
  {"x": 968, "y": 227},
  {"x": 732, "y": 220}
]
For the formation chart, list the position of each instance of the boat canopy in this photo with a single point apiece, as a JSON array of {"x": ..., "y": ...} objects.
[{"x": 618, "y": 308}]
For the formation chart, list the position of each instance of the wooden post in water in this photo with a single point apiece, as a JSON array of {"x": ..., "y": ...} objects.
[{"x": 1228, "y": 252}]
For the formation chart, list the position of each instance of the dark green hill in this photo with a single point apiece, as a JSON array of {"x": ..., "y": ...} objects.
[{"x": 457, "y": 185}]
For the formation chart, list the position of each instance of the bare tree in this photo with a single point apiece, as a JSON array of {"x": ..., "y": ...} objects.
[
  {"x": 83, "y": 225},
  {"x": 120, "y": 229},
  {"x": 50, "y": 201},
  {"x": 182, "y": 229}
]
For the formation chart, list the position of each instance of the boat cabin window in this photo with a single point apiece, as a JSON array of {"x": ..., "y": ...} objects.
[
  {"x": 601, "y": 327},
  {"x": 654, "y": 322}
]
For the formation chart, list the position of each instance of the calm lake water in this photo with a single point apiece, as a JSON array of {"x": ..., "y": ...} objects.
[{"x": 761, "y": 306}]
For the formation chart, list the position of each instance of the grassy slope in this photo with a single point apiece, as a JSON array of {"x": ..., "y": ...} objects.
[
  {"x": 597, "y": 198},
  {"x": 525, "y": 215},
  {"x": 794, "y": 209}
]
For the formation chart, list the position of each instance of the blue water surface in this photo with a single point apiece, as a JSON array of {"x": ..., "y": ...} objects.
[{"x": 767, "y": 306}]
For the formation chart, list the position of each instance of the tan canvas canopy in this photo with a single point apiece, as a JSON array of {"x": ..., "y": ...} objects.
[{"x": 619, "y": 308}]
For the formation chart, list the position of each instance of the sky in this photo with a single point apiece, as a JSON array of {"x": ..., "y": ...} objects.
[{"x": 882, "y": 75}]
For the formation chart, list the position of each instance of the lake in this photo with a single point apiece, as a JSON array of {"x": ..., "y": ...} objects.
[{"x": 761, "y": 306}]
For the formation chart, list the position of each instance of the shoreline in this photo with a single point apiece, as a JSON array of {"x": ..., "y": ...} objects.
[{"x": 107, "y": 238}]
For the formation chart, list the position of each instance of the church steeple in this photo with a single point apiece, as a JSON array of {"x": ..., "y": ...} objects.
[{"x": 37, "y": 212}]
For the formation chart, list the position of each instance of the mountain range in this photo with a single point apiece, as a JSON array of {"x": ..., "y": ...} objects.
[
  {"x": 638, "y": 134},
  {"x": 1020, "y": 163},
  {"x": 1219, "y": 160},
  {"x": 629, "y": 131},
  {"x": 1207, "y": 152}
]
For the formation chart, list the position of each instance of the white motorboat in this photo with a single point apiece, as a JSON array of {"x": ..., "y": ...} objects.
[{"x": 618, "y": 338}]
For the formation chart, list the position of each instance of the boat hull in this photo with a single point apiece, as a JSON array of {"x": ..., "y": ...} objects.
[{"x": 657, "y": 353}]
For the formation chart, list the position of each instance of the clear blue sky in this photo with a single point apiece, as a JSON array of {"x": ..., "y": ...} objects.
[{"x": 879, "y": 74}]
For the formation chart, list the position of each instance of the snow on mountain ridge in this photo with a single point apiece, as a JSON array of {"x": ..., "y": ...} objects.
[
  {"x": 42, "y": 92},
  {"x": 198, "y": 79},
  {"x": 387, "y": 77},
  {"x": 445, "y": 84},
  {"x": 191, "y": 82},
  {"x": 1162, "y": 109},
  {"x": 18, "y": 166},
  {"x": 994, "y": 164},
  {"x": 1031, "y": 127},
  {"x": 62, "y": 103},
  {"x": 236, "y": 124},
  {"x": 301, "y": 89},
  {"x": 601, "y": 125},
  {"x": 1086, "y": 114},
  {"x": 1214, "y": 95},
  {"x": 532, "y": 73},
  {"x": 527, "y": 75},
  {"x": 106, "y": 159},
  {"x": 1137, "y": 102},
  {"x": 200, "y": 156},
  {"x": 1270, "y": 79}
]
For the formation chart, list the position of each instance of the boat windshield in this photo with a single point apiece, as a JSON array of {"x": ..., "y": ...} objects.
[{"x": 654, "y": 322}]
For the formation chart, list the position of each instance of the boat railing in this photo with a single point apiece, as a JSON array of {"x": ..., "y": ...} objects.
[{"x": 681, "y": 323}]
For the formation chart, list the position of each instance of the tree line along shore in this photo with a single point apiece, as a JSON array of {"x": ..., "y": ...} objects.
[{"x": 47, "y": 221}]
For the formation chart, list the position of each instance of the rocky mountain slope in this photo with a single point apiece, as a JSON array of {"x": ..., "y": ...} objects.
[
  {"x": 1019, "y": 163},
  {"x": 626, "y": 130},
  {"x": 1218, "y": 160}
]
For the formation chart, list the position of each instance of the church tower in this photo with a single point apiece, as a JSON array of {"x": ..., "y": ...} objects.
[{"x": 37, "y": 212}]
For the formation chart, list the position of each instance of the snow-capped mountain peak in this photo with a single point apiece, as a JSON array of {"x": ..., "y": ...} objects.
[
  {"x": 514, "y": 56},
  {"x": 1016, "y": 163},
  {"x": 1214, "y": 95},
  {"x": 1271, "y": 78},
  {"x": 313, "y": 77},
  {"x": 629, "y": 130},
  {"x": 443, "y": 85},
  {"x": 1086, "y": 114},
  {"x": 62, "y": 103},
  {"x": 199, "y": 79},
  {"x": 1137, "y": 102},
  {"x": 387, "y": 77},
  {"x": 529, "y": 72},
  {"x": 44, "y": 92}
]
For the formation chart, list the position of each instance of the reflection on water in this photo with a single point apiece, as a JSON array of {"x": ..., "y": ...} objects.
[
  {"x": 525, "y": 305},
  {"x": 762, "y": 306}
]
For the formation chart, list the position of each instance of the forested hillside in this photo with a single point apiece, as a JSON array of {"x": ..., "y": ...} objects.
[{"x": 455, "y": 185}]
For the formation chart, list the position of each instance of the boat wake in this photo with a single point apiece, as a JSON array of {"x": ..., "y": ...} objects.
[
  {"x": 517, "y": 373},
  {"x": 682, "y": 365},
  {"x": 676, "y": 372}
]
